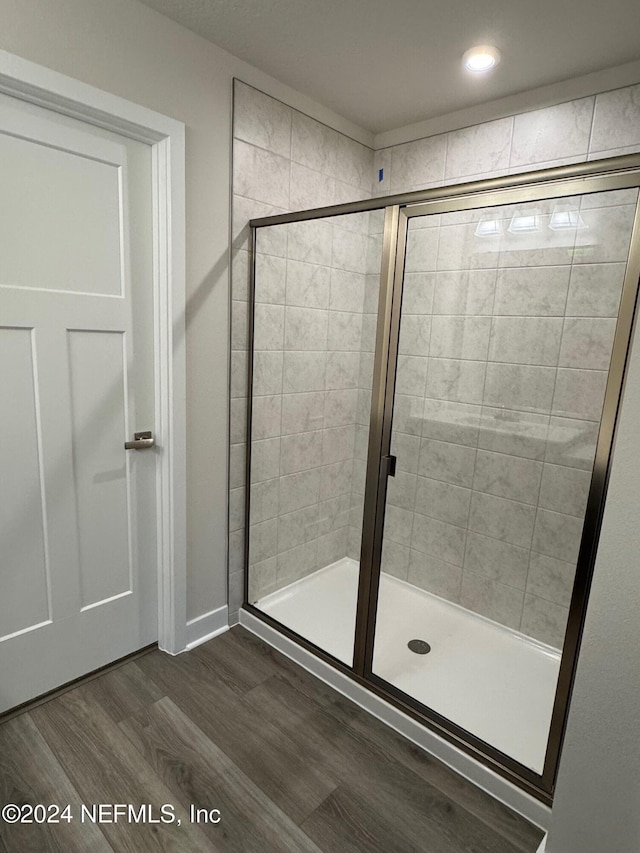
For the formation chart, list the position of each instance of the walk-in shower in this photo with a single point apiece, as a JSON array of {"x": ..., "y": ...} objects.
[{"x": 435, "y": 380}]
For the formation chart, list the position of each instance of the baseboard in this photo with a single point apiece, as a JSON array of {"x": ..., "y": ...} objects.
[
  {"x": 498, "y": 787},
  {"x": 207, "y": 626}
]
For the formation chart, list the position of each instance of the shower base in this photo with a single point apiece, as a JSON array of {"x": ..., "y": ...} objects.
[{"x": 492, "y": 681}]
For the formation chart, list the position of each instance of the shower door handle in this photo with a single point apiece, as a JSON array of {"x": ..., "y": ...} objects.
[{"x": 390, "y": 462}]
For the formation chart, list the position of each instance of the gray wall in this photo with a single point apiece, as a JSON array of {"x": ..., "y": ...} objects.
[{"x": 596, "y": 805}]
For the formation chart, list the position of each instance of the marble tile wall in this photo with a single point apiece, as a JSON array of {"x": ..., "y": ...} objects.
[
  {"x": 604, "y": 125},
  {"x": 284, "y": 161},
  {"x": 501, "y": 376},
  {"x": 310, "y": 289},
  {"x": 504, "y": 340},
  {"x": 307, "y": 406}
]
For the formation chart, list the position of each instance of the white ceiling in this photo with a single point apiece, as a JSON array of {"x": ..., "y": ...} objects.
[{"x": 384, "y": 64}]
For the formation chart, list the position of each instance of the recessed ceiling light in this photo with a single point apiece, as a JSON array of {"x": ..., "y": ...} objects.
[
  {"x": 565, "y": 216},
  {"x": 525, "y": 220},
  {"x": 488, "y": 226},
  {"x": 481, "y": 58}
]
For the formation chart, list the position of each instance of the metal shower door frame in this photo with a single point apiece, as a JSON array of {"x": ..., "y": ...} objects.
[{"x": 600, "y": 176}]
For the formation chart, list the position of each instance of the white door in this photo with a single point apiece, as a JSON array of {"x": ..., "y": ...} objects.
[{"x": 78, "y": 551}]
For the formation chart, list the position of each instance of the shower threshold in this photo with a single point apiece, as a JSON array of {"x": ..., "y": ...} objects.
[{"x": 492, "y": 681}]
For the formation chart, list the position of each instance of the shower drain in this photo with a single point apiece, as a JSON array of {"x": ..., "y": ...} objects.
[{"x": 420, "y": 647}]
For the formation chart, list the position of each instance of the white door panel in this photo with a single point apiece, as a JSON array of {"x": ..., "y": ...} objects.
[
  {"x": 78, "y": 548},
  {"x": 97, "y": 367},
  {"x": 26, "y": 599},
  {"x": 71, "y": 243}
]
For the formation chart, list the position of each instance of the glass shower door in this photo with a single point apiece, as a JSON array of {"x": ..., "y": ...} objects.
[
  {"x": 507, "y": 325},
  {"x": 315, "y": 301}
]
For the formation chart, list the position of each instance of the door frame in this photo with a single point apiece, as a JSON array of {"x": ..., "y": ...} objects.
[{"x": 35, "y": 84}]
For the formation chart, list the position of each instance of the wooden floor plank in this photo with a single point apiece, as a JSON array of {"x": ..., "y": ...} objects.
[
  {"x": 198, "y": 772},
  {"x": 369, "y": 815},
  {"x": 523, "y": 835},
  {"x": 310, "y": 729},
  {"x": 105, "y": 767},
  {"x": 30, "y": 773},
  {"x": 261, "y": 750},
  {"x": 351, "y": 759},
  {"x": 293, "y": 766},
  {"x": 273, "y": 662},
  {"x": 233, "y": 664},
  {"x": 370, "y": 735},
  {"x": 337, "y": 826},
  {"x": 124, "y": 692},
  {"x": 283, "y": 668}
]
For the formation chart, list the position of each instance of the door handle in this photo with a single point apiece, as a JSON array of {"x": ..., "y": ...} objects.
[
  {"x": 391, "y": 466},
  {"x": 141, "y": 441}
]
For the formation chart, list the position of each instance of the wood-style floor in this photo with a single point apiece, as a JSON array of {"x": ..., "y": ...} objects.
[{"x": 235, "y": 726}]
